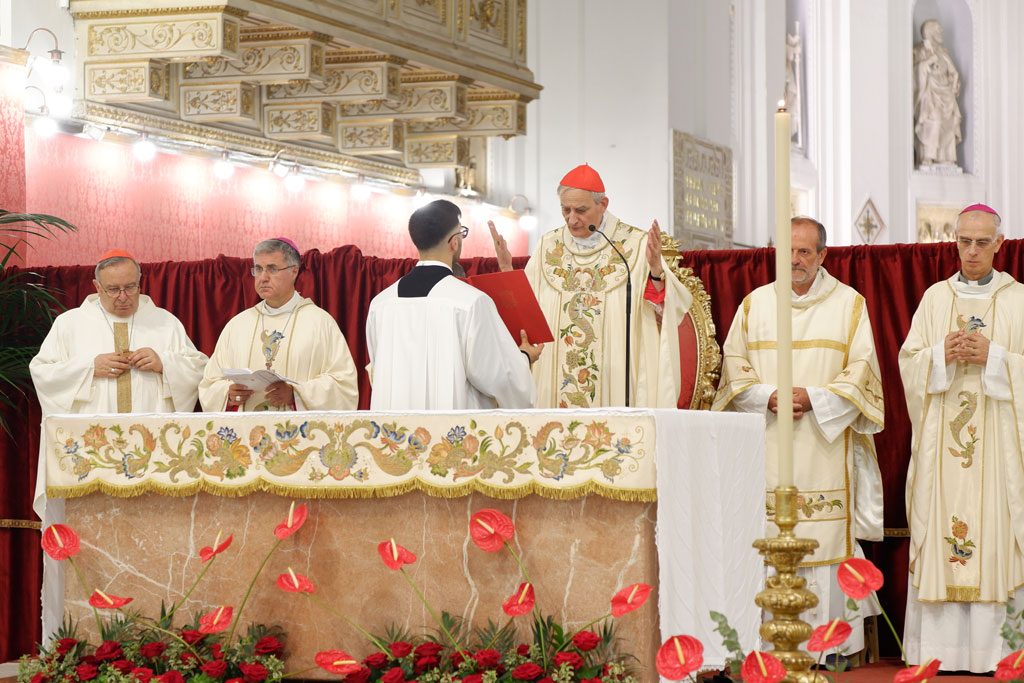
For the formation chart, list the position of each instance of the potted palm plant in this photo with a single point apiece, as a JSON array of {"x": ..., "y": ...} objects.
[{"x": 27, "y": 305}]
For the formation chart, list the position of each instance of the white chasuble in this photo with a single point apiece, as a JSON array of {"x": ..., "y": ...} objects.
[
  {"x": 832, "y": 349},
  {"x": 582, "y": 292},
  {"x": 300, "y": 341},
  {"x": 63, "y": 370},
  {"x": 965, "y": 484}
]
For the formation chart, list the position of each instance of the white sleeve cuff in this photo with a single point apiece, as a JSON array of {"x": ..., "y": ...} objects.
[
  {"x": 942, "y": 374},
  {"x": 995, "y": 381},
  {"x": 753, "y": 399},
  {"x": 832, "y": 413}
]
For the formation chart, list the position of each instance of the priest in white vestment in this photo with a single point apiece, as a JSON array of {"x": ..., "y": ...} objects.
[
  {"x": 837, "y": 407},
  {"x": 438, "y": 343},
  {"x": 963, "y": 375},
  {"x": 286, "y": 333},
  {"x": 117, "y": 352},
  {"x": 580, "y": 282}
]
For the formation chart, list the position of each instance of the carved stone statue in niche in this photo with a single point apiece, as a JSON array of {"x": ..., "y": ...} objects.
[
  {"x": 792, "y": 94},
  {"x": 936, "y": 112}
]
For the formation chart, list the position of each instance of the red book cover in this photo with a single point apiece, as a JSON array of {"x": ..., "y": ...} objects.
[{"x": 517, "y": 304}]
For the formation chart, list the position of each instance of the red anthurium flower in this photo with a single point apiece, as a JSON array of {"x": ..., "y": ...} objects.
[
  {"x": 60, "y": 541},
  {"x": 761, "y": 667},
  {"x": 918, "y": 674},
  {"x": 489, "y": 529},
  {"x": 629, "y": 598},
  {"x": 1011, "y": 667},
  {"x": 679, "y": 657},
  {"x": 858, "y": 577},
  {"x": 828, "y": 636},
  {"x": 295, "y": 519},
  {"x": 337, "y": 662},
  {"x": 216, "y": 549},
  {"x": 520, "y": 602},
  {"x": 101, "y": 600},
  {"x": 216, "y": 621},
  {"x": 294, "y": 583},
  {"x": 394, "y": 555}
]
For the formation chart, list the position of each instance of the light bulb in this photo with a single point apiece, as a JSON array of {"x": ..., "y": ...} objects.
[
  {"x": 45, "y": 126},
  {"x": 360, "y": 192},
  {"x": 294, "y": 182},
  {"x": 60, "y": 105},
  {"x": 528, "y": 222},
  {"x": 144, "y": 149},
  {"x": 223, "y": 168}
]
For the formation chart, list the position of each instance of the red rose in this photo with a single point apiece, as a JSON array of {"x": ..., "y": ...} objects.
[
  {"x": 546, "y": 679},
  {"x": 215, "y": 650},
  {"x": 151, "y": 650},
  {"x": 64, "y": 645},
  {"x": 591, "y": 680},
  {"x": 187, "y": 658},
  {"x": 86, "y": 672},
  {"x": 523, "y": 650},
  {"x": 123, "y": 666},
  {"x": 142, "y": 674},
  {"x": 400, "y": 649},
  {"x": 215, "y": 668},
  {"x": 376, "y": 660},
  {"x": 573, "y": 659},
  {"x": 39, "y": 678},
  {"x": 268, "y": 645},
  {"x": 428, "y": 649},
  {"x": 394, "y": 675},
  {"x": 192, "y": 636},
  {"x": 473, "y": 678},
  {"x": 457, "y": 659},
  {"x": 527, "y": 672},
  {"x": 109, "y": 650},
  {"x": 487, "y": 659},
  {"x": 424, "y": 663},
  {"x": 361, "y": 676},
  {"x": 253, "y": 673},
  {"x": 87, "y": 659},
  {"x": 172, "y": 676},
  {"x": 586, "y": 640},
  {"x": 234, "y": 680}
]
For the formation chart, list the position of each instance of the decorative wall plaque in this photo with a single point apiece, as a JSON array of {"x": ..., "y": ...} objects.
[{"x": 701, "y": 193}]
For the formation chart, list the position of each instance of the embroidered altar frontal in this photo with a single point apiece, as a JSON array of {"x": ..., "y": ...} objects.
[{"x": 502, "y": 454}]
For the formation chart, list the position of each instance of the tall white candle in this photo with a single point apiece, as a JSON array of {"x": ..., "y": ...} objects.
[{"x": 783, "y": 285}]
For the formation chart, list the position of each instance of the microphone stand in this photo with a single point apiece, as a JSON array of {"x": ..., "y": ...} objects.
[{"x": 629, "y": 302}]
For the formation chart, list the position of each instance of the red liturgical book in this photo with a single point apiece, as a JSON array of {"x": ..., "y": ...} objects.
[{"x": 516, "y": 302}]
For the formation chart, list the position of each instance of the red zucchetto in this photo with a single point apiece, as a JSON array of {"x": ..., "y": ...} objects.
[
  {"x": 116, "y": 253},
  {"x": 980, "y": 207},
  {"x": 583, "y": 178}
]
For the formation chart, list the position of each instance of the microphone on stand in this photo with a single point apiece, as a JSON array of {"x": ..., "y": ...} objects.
[{"x": 629, "y": 301}]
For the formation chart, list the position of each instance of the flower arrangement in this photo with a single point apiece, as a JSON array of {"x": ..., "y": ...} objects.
[
  {"x": 138, "y": 649},
  {"x": 458, "y": 653},
  {"x": 680, "y": 656}
]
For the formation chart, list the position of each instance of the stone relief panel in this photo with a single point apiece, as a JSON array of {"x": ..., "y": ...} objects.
[
  {"x": 372, "y": 137},
  {"x": 165, "y": 38},
  {"x": 135, "y": 81},
  {"x": 426, "y": 99},
  {"x": 265, "y": 58},
  {"x": 220, "y": 102},
  {"x": 442, "y": 151},
  {"x": 369, "y": 81},
  {"x": 298, "y": 121}
]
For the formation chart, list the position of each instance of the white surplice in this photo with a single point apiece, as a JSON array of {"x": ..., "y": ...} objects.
[
  {"x": 443, "y": 351},
  {"x": 300, "y": 341},
  {"x": 965, "y": 484},
  {"x": 63, "y": 370}
]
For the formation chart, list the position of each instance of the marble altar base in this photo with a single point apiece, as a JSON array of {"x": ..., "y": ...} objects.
[{"x": 578, "y": 552}]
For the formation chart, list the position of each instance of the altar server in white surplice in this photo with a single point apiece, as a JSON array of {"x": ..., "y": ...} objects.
[
  {"x": 437, "y": 343},
  {"x": 286, "y": 333},
  {"x": 963, "y": 376},
  {"x": 117, "y": 352},
  {"x": 580, "y": 283},
  {"x": 837, "y": 406}
]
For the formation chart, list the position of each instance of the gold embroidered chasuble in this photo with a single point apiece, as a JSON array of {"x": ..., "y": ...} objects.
[
  {"x": 300, "y": 341},
  {"x": 832, "y": 348},
  {"x": 965, "y": 484},
  {"x": 582, "y": 293}
]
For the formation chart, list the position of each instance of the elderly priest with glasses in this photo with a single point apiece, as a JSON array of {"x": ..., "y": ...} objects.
[
  {"x": 117, "y": 352},
  {"x": 287, "y": 334}
]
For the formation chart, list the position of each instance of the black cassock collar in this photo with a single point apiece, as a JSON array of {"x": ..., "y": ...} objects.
[{"x": 421, "y": 280}]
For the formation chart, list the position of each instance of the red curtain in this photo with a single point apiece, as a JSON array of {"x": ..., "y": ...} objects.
[{"x": 205, "y": 294}]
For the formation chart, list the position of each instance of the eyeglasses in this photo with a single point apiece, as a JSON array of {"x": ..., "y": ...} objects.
[
  {"x": 114, "y": 292},
  {"x": 269, "y": 270},
  {"x": 463, "y": 230},
  {"x": 966, "y": 242}
]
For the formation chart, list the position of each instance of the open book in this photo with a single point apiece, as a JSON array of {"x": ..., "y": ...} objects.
[{"x": 254, "y": 379}]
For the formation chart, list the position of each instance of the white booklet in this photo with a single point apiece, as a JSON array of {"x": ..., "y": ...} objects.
[{"x": 254, "y": 379}]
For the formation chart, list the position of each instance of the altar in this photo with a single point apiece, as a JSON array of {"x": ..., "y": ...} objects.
[{"x": 601, "y": 499}]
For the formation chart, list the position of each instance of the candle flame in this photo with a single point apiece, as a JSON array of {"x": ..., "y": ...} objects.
[
  {"x": 105, "y": 596},
  {"x": 295, "y": 579},
  {"x": 484, "y": 525},
  {"x": 831, "y": 628},
  {"x": 57, "y": 536},
  {"x": 522, "y": 595},
  {"x": 679, "y": 651},
  {"x": 291, "y": 514},
  {"x": 782, "y": 105},
  {"x": 760, "y": 663},
  {"x": 394, "y": 550}
]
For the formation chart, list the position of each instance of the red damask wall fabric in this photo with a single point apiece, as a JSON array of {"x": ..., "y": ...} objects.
[{"x": 205, "y": 294}]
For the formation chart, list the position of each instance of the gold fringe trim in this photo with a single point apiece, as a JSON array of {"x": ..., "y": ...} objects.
[
  {"x": 20, "y": 524},
  {"x": 963, "y": 594},
  {"x": 337, "y": 492}
]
